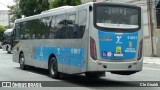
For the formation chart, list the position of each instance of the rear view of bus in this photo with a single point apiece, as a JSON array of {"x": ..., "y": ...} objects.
[{"x": 116, "y": 39}]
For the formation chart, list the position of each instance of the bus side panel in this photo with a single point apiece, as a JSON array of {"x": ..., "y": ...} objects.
[
  {"x": 16, "y": 47},
  {"x": 29, "y": 47},
  {"x": 41, "y": 52},
  {"x": 70, "y": 58},
  {"x": 25, "y": 48},
  {"x": 22, "y": 47},
  {"x": 15, "y": 56},
  {"x": 72, "y": 55}
]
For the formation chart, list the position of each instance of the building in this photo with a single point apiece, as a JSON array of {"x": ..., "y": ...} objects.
[
  {"x": 4, "y": 17},
  {"x": 50, "y": 1},
  {"x": 157, "y": 31}
]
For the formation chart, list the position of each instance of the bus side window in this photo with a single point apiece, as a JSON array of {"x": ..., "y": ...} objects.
[
  {"x": 23, "y": 31},
  {"x": 82, "y": 22},
  {"x": 45, "y": 27},
  {"x": 71, "y": 32},
  {"x": 52, "y": 29},
  {"x": 17, "y": 31},
  {"x": 60, "y": 26}
]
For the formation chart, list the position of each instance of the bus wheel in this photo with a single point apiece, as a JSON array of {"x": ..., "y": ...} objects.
[
  {"x": 22, "y": 62},
  {"x": 53, "y": 68}
]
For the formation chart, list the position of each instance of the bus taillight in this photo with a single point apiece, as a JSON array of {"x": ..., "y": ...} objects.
[
  {"x": 93, "y": 50},
  {"x": 140, "y": 50}
]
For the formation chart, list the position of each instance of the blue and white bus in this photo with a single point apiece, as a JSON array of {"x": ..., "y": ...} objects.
[{"x": 91, "y": 38}]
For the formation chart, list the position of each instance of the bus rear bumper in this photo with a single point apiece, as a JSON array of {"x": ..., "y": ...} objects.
[{"x": 118, "y": 66}]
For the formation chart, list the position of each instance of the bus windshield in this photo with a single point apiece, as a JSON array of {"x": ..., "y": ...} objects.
[{"x": 112, "y": 16}]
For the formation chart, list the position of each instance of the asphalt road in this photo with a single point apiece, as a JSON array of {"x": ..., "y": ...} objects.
[{"x": 10, "y": 71}]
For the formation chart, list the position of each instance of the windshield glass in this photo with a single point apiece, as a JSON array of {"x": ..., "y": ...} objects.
[{"x": 108, "y": 16}]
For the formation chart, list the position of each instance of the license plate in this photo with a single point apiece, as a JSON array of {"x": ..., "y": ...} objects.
[{"x": 118, "y": 54}]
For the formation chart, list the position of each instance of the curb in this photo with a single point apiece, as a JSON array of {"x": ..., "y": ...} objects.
[{"x": 151, "y": 60}]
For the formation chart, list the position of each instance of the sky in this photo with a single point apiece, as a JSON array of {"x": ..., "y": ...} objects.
[{"x": 5, "y": 3}]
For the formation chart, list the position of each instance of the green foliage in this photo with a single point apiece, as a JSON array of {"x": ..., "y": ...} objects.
[
  {"x": 58, "y": 3},
  {"x": 16, "y": 12},
  {"x": 2, "y": 29},
  {"x": 33, "y": 7}
]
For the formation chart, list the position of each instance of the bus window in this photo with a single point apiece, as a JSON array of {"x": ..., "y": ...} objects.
[
  {"x": 60, "y": 26},
  {"x": 23, "y": 31},
  {"x": 71, "y": 30},
  {"x": 52, "y": 29},
  {"x": 82, "y": 22},
  {"x": 120, "y": 17},
  {"x": 45, "y": 27},
  {"x": 17, "y": 32}
]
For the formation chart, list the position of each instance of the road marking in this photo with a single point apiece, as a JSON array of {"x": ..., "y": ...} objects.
[{"x": 151, "y": 68}]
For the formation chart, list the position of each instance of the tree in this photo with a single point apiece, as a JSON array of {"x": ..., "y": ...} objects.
[
  {"x": 58, "y": 3},
  {"x": 15, "y": 11},
  {"x": 33, "y": 7},
  {"x": 2, "y": 29}
]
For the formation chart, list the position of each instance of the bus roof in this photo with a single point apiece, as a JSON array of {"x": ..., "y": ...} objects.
[
  {"x": 56, "y": 9},
  {"x": 8, "y": 30},
  {"x": 50, "y": 12},
  {"x": 64, "y": 9}
]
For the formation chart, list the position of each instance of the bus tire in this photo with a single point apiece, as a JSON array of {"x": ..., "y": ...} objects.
[
  {"x": 53, "y": 68},
  {"x": 22, "y": 61}
]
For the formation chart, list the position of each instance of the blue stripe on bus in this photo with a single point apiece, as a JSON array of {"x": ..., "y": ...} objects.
[{"x": 66, "y": 56}]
